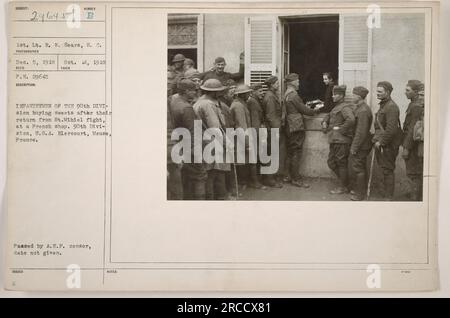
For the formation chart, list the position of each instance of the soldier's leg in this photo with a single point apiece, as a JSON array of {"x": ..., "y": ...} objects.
[
  {"x": 269, "y": 179},
  {"x": 198, "y": 182},
  {"x": 174, "y": 182},
  {"x": 358, "y": 166},
  {"x": 254, "y": 181},
  {"x": 299, "y": 180},
  {"x": 341, "y": 156},
  {"x": 295, "y": 148},
  {"x": 283, "y": 169},
  {"x": 220, "y": 191},
  {"x": 187, "y": 182},
  {"x": 420, "y": 181},
  {"x": 243, "y": 174},
  {"x": 414, "y": 171},
  {"x": 210, "y": 185},
  {"x": 331, "y": 161},
  {"x": 389, "y": 155}
]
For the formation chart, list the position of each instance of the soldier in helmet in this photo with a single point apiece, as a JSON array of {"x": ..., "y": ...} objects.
[
  {"x": 176, "y": 71},
  {"x": 207, "y": 108}
]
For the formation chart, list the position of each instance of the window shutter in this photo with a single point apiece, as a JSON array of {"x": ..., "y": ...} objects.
[
  {"x": 354, "y": 51},
  {"x": 260, "y": 49}
]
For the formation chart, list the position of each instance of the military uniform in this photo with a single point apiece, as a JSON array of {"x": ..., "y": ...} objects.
[
  {"x": 389, "y": 134},
  {"x": 275, "y": 117},
  {"x": 222, "y": 77},
  {"x": 242, "y": 119},
  {"x": 174, "y": 182},
  {"x": 340, "y": 122},
  {"x": 173, "y": 77},
  {"x": 414, "y": 162},
  {"x": 295, "y": 109},
  {"x": 194, "y": 174},
  {"x": 208, "y": 110},
  {"x": 361, "y": 146},
  {"x": 256, "y": 112}
]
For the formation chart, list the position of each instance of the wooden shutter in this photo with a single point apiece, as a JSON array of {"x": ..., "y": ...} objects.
[
  {"x": 260, "y": 49},
  {"x": 355, "y": 46}
]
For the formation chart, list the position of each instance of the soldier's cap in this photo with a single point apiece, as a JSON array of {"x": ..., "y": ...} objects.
[
  {"x": 188, "y": 61},
  {"x": 386, "y": 85},
  {"x": 219, "y": 60},
  {"x": 339, "y": 89},
  {"x": 256, "y": 86},
  {"x": 271, "y": 80},
  {"x": 242, "y": 89},
  {"x": 186, "y": 84},
  {"x": 213, "y": 85},
  {"x": 360, "y": 91},
  {"x": 291, "y": 77},
  {"x": 178, "y": 58},
  {"x": 414, "y": 84}
]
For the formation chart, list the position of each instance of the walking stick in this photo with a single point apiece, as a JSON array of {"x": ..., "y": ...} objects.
[
  {"x": 236, "y": 182},
  {"x": 370, "y": 173}
]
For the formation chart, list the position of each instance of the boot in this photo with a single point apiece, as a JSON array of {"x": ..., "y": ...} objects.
[
  {"x": 360, "y": 186},
  {"x": 389, "y": 185},
  {"x": 299, "y": 183},
  {"x": 342, "y": 174},
  {"x": 253, "y": 176},
  {"x": 270, "y": 181}
]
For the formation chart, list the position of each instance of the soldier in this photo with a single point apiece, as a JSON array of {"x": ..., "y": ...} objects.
[
  {"x": 339, "y": 124},
  {"x": 295, "y": 110},
  {"x": 176, "y": 71},
  {"x": 228, "y": 94},
  {"x": 187, "y": 92},
  {"x": 225, "y": 99},
  {"x": 362, "y": 142},
  {"x": 174, "y": 183},
  {"x": 418, "y": 137},
  {"x": 194, "y": 174},
  {"x": 414, "y": 163},
  {"x": 189, "y": 68},
  {"x": 207, "y": 108},
  {"x": 275, "y": 117},
  {"x": 254, "y": 106},
  {"x": 241, "y": 118},
  {"x": 218, "y": 72},
  {"x": 388, "y": 136},
  {"x": 328, "y": 96}
]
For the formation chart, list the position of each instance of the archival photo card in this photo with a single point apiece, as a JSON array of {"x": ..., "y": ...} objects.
[{"x": 252, "y": 146}]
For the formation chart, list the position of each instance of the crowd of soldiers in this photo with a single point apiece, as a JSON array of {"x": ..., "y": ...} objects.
[{"x": 219, "y": 102}]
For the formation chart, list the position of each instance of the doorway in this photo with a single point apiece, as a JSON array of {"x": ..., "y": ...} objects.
[{"x": 311, "y": 48}]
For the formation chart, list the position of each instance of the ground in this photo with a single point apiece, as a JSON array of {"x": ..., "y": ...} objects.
[{"x": 319, "y": 191}]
